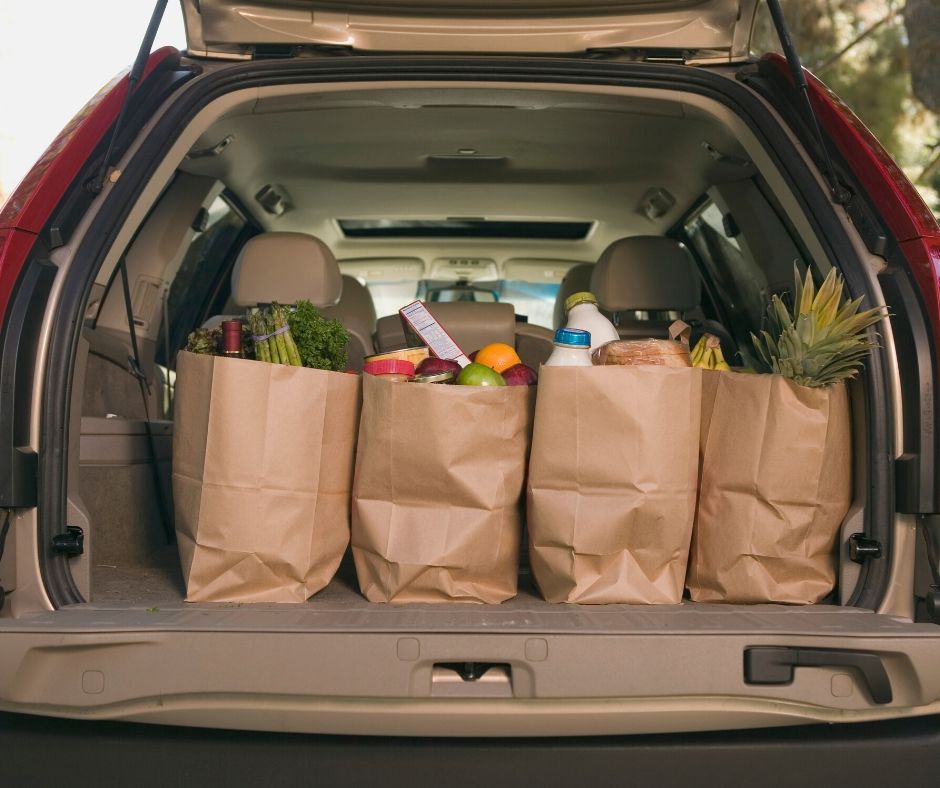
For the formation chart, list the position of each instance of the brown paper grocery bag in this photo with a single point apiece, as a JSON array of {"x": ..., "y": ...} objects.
[
  {"x": 439, "y": 477},
  {"x": 262, "y": 471},
  {"x": 612, "y": 482},
  {"x": 775, "y": 487}
]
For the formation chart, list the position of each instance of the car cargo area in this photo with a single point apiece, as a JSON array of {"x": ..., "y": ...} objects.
[
  {"x": 468, "y": 196},
  {"x": 406, "y": 169}
]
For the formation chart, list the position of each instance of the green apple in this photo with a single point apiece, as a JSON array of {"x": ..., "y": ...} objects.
[{"x": 479, "y": 375}]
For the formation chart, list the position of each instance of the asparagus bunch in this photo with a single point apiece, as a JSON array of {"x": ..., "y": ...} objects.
[{"x": 273, "y": 340}]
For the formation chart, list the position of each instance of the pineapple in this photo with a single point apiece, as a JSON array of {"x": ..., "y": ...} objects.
[{"x": 823, "y": 341}]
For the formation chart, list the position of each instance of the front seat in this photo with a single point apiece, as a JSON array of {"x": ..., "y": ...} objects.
[
  {"x": 284, "y": 267},
  {"x": 288, "y": 267},
  {"x": 577, "y": 279},
  {"x": 652, "y": 275},
  {"x": 356, "y": 311}
]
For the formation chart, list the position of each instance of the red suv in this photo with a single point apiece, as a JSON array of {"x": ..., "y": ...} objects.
[{"x": 475, "y": 151}]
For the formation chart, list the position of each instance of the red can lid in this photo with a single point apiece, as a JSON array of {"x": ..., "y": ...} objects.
[{"x": 389, "y": 366}]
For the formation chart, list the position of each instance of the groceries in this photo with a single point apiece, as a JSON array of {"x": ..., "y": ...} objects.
[
  {"x": 572, "y": 349},
  {"x": 822, "y": 341},
  {"x": 433, "y": 366},
  {"x": 416, "y": 355},
  {"x": 520, "y": 375},
  {"x": 498, "y": 356},
  {"x": 475, "y": 374},
  {"x": 612, "y": 483},
  {"x": 321, "y": 343},
  {"x": 786, "y": 439},
  {"x": 418, "y": 322},
  {"x": 273, "y": 339},
  {"x": 653, "y": 470},
  {"x": 208, "y": 341},
  {"x": 262, "y": 472},
  {"x": 640, "y": 352},
  {"x": 775, "y": 487},
  {"x": 436, "y": 513},
  {"x": 391, "y": 369},
  {"x": 583, "y": 313},
  {"x": 232, "y": 339},
  {"x": 299, "y": 337},
  {"x": 707, "y": 354},
  {"x": 434, "y": 377},
  {"x": 263, "y": 456}
]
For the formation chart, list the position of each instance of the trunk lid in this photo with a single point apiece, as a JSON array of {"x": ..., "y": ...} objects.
[{"x": 693, "y": 31}]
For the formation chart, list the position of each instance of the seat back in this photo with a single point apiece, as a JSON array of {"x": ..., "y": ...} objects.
[
  {"x": 648, "y": 275},
  {"x": 471, "y": 325},
  {"x": 286, "y": 267},
  {"x": 577, "y": 280},
  {"x": 289, "y": 267},
  {"x": 356, "y": 312}
]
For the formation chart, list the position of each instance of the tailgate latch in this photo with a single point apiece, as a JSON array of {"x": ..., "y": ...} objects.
[{"x": 71, "y": 543}]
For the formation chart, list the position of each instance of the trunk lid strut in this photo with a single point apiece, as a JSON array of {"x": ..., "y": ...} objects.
[
  {"x": 840, "y": 193},
  {"x": 96, "y": 184}
]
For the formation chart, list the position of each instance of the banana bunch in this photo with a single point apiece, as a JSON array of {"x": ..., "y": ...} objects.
[{"x": 707, "y": 354}]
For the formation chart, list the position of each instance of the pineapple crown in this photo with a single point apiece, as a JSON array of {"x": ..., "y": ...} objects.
[{"x": 822, "y": 341}]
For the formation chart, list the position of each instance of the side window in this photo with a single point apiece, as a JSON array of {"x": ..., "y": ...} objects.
[
  {"x": 737, "y": 281},
  {"x": 193, "y": 286}
]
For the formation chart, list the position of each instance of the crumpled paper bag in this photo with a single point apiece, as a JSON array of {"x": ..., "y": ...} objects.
[
  {"x": 612, "y": 482},
  {"x": 775, "y": 487},
  {"x": 262, "y": 471},
  {"x": 436, "y": 497}
]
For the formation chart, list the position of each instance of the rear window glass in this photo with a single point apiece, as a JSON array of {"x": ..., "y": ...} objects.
[
  {"x": 209, "y": 251},
  {"x": 463, "y": 228}
]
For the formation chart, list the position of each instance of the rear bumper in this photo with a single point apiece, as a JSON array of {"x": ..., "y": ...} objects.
[{"x": 43, "y": 751}]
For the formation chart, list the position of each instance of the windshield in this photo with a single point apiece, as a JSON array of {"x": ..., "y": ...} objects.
[{"x": 533, "y": 300}]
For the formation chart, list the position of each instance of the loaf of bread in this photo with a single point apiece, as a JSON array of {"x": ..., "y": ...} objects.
[{"x": 633, "y": 352}]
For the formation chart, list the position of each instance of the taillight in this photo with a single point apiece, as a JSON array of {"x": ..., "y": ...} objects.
[
  {"x": 901, "y": 207},
  {"x": 31, "y": 205}
]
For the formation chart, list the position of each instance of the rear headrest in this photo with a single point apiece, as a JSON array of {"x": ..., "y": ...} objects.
[
  {"x": 286, "y": 267},
  {"x": 646, "y": 272},
  {"x": 577, "y": 279},
  {"x": 471, "y": 324}
]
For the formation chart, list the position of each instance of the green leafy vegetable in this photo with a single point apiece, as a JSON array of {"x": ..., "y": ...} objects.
[
  {"x": 205, "y": 341},
  {"x": 321, "y": 343}
]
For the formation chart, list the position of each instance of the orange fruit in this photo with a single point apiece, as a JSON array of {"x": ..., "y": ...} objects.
[{"x": 498, "y": 356}]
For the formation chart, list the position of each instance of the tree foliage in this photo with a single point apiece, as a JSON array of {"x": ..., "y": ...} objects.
[
  {"x": 922, "y": 19},
  {"x": 883, "y": 59}
]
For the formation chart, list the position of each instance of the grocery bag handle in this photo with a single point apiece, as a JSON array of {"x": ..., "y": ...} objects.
[{"x": 680, "y": 331}]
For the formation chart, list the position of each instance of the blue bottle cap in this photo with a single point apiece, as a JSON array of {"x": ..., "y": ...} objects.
[{"x": 575, "y": 337}]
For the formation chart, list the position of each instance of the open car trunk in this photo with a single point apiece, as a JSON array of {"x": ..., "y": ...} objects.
[{"x": 568, "y": 148}]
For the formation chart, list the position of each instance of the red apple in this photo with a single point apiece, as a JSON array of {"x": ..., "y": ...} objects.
[
  {"x": 433, "y": 365},
  {"x": 473, "y": 355},
  {"x": 520, "y": 375}
]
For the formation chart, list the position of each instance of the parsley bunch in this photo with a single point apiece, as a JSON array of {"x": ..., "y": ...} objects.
[{"x": 320, "y": 342}]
